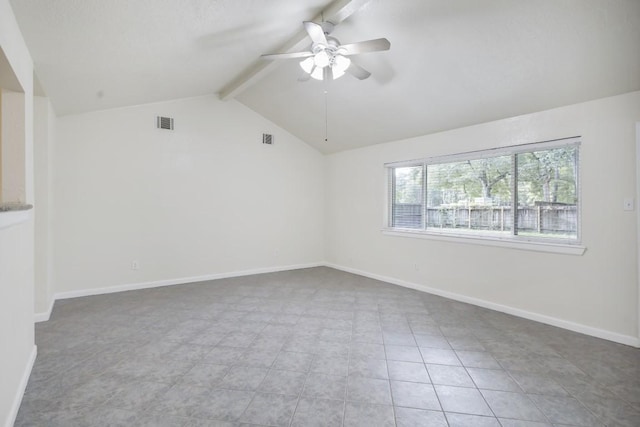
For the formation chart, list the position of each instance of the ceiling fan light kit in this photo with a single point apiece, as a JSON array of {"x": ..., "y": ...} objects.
[
  {"x": 314, "y": 65},
  {"x": 328, "y": 59},
  {"x": 321, "y": 59},
  {"x": 340, "y": 65}
]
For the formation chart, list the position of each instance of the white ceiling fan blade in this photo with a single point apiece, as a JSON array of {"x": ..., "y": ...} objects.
[
  {"x": 365, "y": 46},
  {"x": 316, "y": 33},
  {"x": 292, "y": 55},
  {"x": 357, "y": 71}
]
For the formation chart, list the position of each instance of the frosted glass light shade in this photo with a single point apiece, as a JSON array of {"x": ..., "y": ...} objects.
[
  {"x": 318, "y": 73},
  {"x": 340, "y": 65},
  {"x": 307, "y": 65},
  {"x": 321, "y": 59}
]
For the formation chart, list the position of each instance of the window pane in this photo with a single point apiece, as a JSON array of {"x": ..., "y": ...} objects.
[
  {"x": 547, "y": 193},
  {"x": 407, "y": 197},
  {"x": 470, "y": 195}
]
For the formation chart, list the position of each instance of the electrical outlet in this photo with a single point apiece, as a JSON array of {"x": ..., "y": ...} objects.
[
  {"x": 135, "y": 265},
  {"x": 628, "y": 204}
]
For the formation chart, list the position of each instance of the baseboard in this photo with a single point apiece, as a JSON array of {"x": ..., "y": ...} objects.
[
  {"x": 43, "y": 317},
  {"x": 553, "y": 321},
  {"x": 17, "y": 400},
  {"x": 180, "y": 281}
]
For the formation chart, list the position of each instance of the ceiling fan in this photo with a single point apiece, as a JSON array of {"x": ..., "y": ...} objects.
[{"x": 327, "y": 59}]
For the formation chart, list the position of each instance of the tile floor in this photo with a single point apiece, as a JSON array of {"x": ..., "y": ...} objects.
[{"x": 317, "y": 347}]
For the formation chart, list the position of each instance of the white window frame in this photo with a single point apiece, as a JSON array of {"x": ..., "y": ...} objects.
[{"x": 531, "y": 243}]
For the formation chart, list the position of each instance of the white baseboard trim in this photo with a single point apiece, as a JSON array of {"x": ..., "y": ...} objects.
[
  {"x": 180, "y": 281},
  {"x": 553, "y": 321},
  {"x": 17, "y": 400},
  {"x": 43, "y": 317}
]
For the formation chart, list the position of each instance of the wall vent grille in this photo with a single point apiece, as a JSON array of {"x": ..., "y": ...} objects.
[
  {"x": 165, "y": 123},
  {"x": 267, "y": 138}
]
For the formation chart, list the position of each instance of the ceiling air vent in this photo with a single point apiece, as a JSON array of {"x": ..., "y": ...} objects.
[
  {"x": 165, "y": 123},
  {"x": 267, "y": 138}
]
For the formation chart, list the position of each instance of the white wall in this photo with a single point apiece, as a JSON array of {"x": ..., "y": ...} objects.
[
  {"x": 43, "y": 141},
  {"x": 594, "y": 293},
  {"x": 12, "y": 134},
  {"x": 16, "y": 316},
  {"x": 209, "y": 199},
  {"x": 205, "y": 199},
  {"x": 17, "y": 349}
]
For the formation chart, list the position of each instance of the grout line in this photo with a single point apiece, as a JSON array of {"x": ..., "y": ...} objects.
[
  {"x": 304, "y": 386},
  {"x": 386, "y": 361},
  {"x": 446, "y": 419},
  {"x": 346, "y": 386},
  {"x": 350, "y": 354}
]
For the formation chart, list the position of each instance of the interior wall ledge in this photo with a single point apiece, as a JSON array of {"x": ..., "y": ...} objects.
[{"x": 14, "y": 213}]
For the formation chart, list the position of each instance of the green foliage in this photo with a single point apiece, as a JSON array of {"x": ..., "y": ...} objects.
[
  {"x": 463, "y": 182},
  {"x": 548, "y": 176},
  {"x": 408, "y": 185}
]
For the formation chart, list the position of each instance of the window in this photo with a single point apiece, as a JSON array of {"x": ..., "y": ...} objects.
[{"x": 521, "y": 193}]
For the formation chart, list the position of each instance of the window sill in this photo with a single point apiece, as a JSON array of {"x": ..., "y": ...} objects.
[
  {"x": 12, "y": 214},
  {"x": 537, "y": 246}
]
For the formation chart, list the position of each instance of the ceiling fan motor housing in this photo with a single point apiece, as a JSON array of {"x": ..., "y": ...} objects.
[
  {"x": 327, "y": 27},
  {"x": 333, "y": 44}
]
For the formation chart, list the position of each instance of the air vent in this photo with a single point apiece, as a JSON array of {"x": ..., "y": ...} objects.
[
  {"x": 165, "y": 123},
  {"x": 267, "y": 138}
]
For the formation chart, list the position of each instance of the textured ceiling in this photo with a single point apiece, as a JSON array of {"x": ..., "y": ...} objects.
[{"x": 451, "y": 63}]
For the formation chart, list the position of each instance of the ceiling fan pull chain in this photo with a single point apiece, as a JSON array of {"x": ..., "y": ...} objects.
[{"x": 326, "y": 120}]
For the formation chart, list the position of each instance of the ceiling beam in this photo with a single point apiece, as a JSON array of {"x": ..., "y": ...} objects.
[{"x": 336, "y": 12}]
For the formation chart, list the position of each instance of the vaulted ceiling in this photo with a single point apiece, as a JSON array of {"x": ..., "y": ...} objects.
[{"x": 452, "y": 63}]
